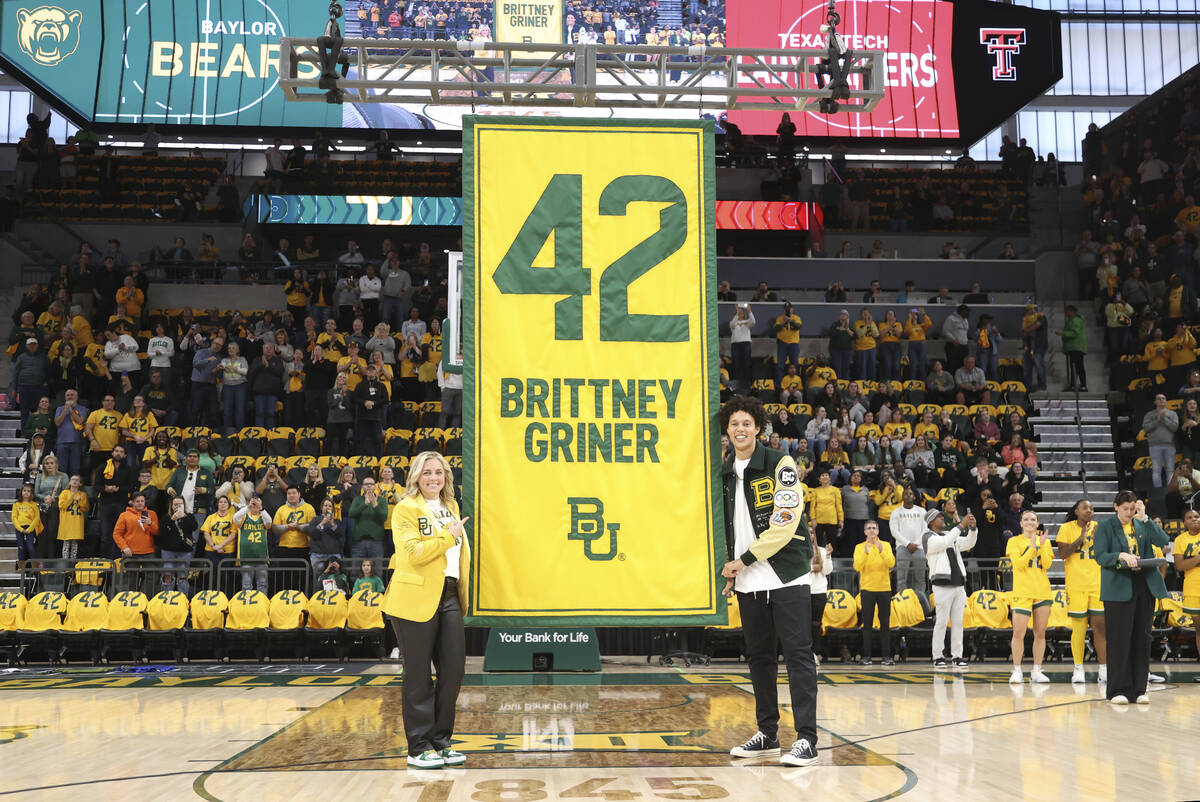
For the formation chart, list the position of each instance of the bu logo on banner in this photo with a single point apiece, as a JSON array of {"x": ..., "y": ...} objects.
[{"x": 1003, "y": 43}]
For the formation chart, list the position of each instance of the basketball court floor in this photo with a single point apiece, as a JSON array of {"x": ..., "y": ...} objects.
[{"x": 632, "y": 732}]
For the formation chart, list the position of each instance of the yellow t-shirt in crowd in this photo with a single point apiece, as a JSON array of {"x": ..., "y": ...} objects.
[
  {"x": 874, "y": 567},
  {"x": 785, "y": 334},
  {"x": 294, "y": 538},
  {"x": 219, "y": 527},
  {"x": 106, "y": 428}
]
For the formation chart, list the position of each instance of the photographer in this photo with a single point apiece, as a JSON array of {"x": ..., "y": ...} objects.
[
  {"x": 787, "y": 340},
  {"x": 740, "y": 329},
  {"x": 333, "y": 578},
  {"x": 326, "y": 536},
  {"x": 177, "y": 540},
  {"x": 134, "y": 536}
]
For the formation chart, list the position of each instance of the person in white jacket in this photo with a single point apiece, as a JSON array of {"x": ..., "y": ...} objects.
[
  {"x": 121, "y": 352},
  {"x": 948, "y": 573},
  {"x": 908, "y": 527},
  {"x": 739, "y": 342}
]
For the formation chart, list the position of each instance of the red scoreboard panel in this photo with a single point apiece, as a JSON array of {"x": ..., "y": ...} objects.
[{"x": 953, "y": 71}]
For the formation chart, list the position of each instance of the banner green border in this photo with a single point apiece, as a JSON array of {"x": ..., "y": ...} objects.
[{"x": 706, "y": 170}]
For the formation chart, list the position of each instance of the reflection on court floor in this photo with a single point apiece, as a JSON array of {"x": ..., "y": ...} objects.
[{"x": 652, "y": 735}]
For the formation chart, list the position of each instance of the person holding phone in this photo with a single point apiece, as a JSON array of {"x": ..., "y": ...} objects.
[
  {"x": 874, "y": 560},
  {"x": 740, "y": 328},
  {"x": 1128, "y": 591},
  {"x": 916, "y": 327},
  {"x": 1031, "y": 555},
  {"x": 425, "y": 601}
]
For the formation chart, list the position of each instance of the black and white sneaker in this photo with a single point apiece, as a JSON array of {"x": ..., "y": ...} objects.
[
  {"x": 757, "y": 746},
  {"x": 802, "y": 753},
  {"x": 961, "y": 664},
  {"x": 940, "y": 664}
]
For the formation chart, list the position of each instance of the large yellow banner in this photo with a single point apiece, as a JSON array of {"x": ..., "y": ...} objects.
[
  {"x": 529, "y": 22},
  {"x": 590, "y": 378}
]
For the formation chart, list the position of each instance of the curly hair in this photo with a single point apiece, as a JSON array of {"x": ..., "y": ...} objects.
[{"x": 744, "y": 403}]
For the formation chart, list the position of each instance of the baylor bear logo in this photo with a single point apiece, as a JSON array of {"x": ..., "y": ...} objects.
[{"x": 48, "y": 34}]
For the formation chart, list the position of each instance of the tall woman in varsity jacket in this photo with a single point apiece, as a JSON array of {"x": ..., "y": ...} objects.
[
  {"x": 947, "y": 574},
  {"x": 425, "y": 600},
  {"x": 770, "y": 551}
]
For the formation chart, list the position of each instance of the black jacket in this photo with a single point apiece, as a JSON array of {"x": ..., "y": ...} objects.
[
  {"x": 177, "y": 535},
  {"x": 775, "y": 498},
  {"x": 266, "y": 379},
  {"x": 122, "y": 478}
]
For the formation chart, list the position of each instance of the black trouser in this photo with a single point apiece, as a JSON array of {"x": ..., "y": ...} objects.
[
  {"x": 1076, "y": 374},
  {"x": 1128, "y": 626},
  {"x": 817, "y": 602},
  {"x": 955, "y": 354},
  {"x": 110, "y": 511},
  {"x": 429, "y": 711},
  {"x": 873, "y": 600},
  {"x": 782, "y": 616},
  {"x": 826, "y": 534}
]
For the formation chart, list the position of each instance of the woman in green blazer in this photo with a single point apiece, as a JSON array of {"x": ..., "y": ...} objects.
[{"x": 1129, "y": 594}]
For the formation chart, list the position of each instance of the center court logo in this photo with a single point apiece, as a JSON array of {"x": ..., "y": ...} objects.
[{"x": 48, "y": 34}]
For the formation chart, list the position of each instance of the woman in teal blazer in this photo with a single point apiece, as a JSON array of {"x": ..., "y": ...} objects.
[{"x": 1129, "y": 594}]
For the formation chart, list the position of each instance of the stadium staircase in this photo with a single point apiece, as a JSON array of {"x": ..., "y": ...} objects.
[
  {"x": 1075, "y": 449},
  {"x": 670, "y": 14},
  {"x": 11, "y": 447}
]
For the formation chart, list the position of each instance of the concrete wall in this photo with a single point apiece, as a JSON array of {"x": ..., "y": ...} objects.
[
  {"x": 819, "y": 317},
  {"x": 223, "y": 296},
  {"x": 856, "y": 274}
]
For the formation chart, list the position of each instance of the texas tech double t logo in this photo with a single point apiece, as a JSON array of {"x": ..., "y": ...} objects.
[{"x": 1003, "y": 43}]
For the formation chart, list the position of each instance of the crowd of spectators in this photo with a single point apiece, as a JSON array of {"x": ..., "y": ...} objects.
[
  {"x": 611, "y": 22},
  {"x": 1137, "y": 256},
  {"x": 864, "y": 453},
  {"x": 886, "y": 348},
  {"x": 107, "y": 384}
]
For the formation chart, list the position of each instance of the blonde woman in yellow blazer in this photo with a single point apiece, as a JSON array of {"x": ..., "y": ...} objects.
[{"x": 425, "y": 600}]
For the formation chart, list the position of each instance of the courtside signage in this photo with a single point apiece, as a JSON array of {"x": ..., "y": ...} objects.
[{"x": 590, "y": 372}]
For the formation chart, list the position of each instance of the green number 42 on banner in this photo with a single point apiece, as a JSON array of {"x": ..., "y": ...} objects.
[{"x": 560, "y": 210}]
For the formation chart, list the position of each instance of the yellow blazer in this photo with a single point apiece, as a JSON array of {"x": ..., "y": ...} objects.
[{"x": 420, "y": 561}]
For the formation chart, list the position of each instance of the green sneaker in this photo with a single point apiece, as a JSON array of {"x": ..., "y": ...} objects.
[
  {"x": 453, "y": 758},
  {"x": 428, "y": 759}
]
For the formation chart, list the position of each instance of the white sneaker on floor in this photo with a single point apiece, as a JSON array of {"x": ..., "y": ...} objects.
[
  {"x": 1016, "y": 678},
  {"x": 1144, "y": 699},
  {"x": 1102, "y": 677},
  {"x": 1119, "y": 700},
  {"x": 1157, "y": 678},
  {"x": 395, "y": 655},
  {"x": 1078, "y": 677},
  {"x": 1037, "y": 676}
]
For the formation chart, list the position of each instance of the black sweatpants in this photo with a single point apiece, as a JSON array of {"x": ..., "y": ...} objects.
[
  {"x": 872, "y": 600},
  {"x": 782, "y": 616},
  {"x": 428, "y": 710},
  {"x": 1076, "y": 373},
  {"x": 817, "y": 604},
  {"x": 1128, "y": 626}
]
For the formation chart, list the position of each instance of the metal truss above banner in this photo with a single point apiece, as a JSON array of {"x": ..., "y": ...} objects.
[{"x": 560, "y": 75}]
